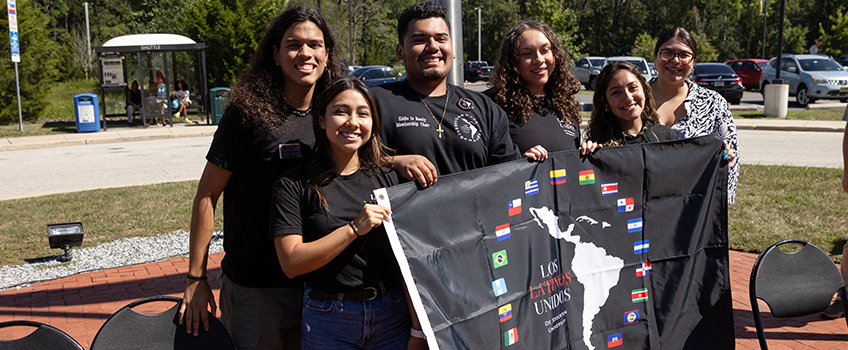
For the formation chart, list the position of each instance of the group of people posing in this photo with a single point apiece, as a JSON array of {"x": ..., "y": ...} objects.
[{"x": 301, "y": 147}]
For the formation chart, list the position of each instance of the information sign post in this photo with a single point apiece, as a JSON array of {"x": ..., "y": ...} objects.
[{"x": 16, "y": 52}]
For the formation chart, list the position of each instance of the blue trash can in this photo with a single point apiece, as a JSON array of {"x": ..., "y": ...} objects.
[{"x": 87, "y": 110}]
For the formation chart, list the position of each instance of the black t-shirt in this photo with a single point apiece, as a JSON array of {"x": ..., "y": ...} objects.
[
  {"x": 296, "y": 210},
  {"x": 650, "y": 133},
  {"x": 257, "y": 157},
  {"x": 476, "y": 132},
  {"x": 543, "y": 127}
]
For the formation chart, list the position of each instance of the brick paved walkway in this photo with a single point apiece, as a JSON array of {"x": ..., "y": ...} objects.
[{"x": 80, "y": 304}]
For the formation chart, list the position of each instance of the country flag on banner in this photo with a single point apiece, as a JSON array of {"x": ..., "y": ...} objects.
[
  {"x": 639, "y": 295},
  {"x": 640, "y": 247},
  {"x": 502, "y": 232},
  {"x": 499, "y": 258},
  {"x": 499, "y": 286},
  {"x": 625, "y": 205},
  {"x": 505, "y": 313},
  {"x": 557, "y": 177},
  {"x": 511, "y": 336},
  {"x": 609, "y": 188},
  {"x": 614, "y": 340},
  {"x": 642, "y": 270},
  {"x": 514, "y": 207},
  {"x": 586, "y": 177},
  {"x": 531, "y": 187},
  {"x": 631, "y": 317},
  {"x": 634, "y": 225}
]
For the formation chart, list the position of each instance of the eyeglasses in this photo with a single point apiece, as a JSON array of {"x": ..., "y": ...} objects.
[{"x": 683, "y": 57}]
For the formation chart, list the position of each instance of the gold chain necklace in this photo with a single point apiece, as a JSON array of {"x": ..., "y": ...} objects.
[{"x": 447, "y": 97}]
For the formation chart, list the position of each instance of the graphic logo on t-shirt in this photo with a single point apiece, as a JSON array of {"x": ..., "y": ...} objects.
[
  {"x": 467, "y": 128},
  {"x": 465, "y": 103}
]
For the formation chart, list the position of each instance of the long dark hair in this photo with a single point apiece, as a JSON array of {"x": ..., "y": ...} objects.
[
  {"x": 319, "y": 166},
  {"x": 259, "y": 91},
  {"x": 604, "y": 127},
  {"x": 518, "y": 102}
]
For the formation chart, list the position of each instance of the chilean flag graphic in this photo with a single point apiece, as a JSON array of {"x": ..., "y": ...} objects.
[{"x": 515, "y": 207}]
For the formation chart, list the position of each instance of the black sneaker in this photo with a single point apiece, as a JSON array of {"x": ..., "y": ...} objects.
[{"x": 833, "y": 311}]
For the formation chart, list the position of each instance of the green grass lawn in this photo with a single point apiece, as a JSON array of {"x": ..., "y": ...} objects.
[{"x": 772, "y": 203}]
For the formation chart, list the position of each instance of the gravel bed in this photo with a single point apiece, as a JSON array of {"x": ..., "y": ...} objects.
[{"x": 122, "y": 252}]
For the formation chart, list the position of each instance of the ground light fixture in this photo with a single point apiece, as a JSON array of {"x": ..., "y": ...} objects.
[{"x": 65, "y": 236}]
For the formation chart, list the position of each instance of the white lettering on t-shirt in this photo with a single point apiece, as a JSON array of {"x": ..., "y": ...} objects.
[{"x": 405, "y": 121}]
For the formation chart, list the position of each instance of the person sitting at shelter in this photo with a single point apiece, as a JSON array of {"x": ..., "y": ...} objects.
[
  {"x": 133, "y": 101},
  {"x": 182, "y": 100},
  {"x": 154, "y": 105},
  {"x": 161, "y": 94}
]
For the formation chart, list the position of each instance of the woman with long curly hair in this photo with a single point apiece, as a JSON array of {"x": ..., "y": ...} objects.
[
  {"x": 532, "y": 82},
  {"x": 624, "y": 110},
  {"x": 265, "y": 131}
]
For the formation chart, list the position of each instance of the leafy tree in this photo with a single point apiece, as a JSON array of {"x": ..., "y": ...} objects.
[
  {"x": 836, "y": 40},
  {"x": 561, "y": 19},
  {"x": 37, "y": 69},
  {"x": 644, "y": 47}
]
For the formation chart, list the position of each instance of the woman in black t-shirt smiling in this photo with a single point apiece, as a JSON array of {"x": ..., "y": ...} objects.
[
  {"x": 323, "y": 231},
  {"x": 532, "y": 82}
]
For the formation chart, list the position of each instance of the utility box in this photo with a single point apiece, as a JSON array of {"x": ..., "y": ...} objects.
[
  {"x": 219, "y": 103},
  {"x": 87, "y": 111}
]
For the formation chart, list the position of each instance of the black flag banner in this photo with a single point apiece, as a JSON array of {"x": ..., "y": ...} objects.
[{"x": 624, "y": 249}]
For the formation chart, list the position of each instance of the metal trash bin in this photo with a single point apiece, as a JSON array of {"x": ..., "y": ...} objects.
[
  {"x": 87, "y": 111},
  {"x": 219, "y": 103}
]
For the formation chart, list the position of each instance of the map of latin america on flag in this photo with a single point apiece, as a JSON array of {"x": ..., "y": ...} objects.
[{"x": 577, "y": 298}]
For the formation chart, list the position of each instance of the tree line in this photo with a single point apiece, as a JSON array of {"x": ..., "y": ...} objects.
[{"x": 52, "y": 32}]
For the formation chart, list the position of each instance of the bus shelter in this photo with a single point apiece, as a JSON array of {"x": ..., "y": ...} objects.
[{"x": 149, "y": 59}]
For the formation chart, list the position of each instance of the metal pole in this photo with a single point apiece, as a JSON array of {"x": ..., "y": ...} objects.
[
  {"x": 350, "y": 30},
  {"x": 87, "y": 39},
  {"x": 780, "y": 41},
  {"x": 765, "y": 17},
  {"x": 454, "y": 17},
  {"x": 479, "y": 27},
  {"x": 18, "y": 88}
]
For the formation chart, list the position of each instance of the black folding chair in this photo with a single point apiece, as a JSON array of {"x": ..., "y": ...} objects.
[
  {"x": 44, "y": 337},
  {"x": 127, "y": 329},
  {"x": 794, "y": 284}
]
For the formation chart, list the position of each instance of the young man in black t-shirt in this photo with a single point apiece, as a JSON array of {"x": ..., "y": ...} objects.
[{"x": 437, "y": 128}]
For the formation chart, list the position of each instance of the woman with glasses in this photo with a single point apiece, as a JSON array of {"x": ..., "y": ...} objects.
[{"x": 687, "y": 108}]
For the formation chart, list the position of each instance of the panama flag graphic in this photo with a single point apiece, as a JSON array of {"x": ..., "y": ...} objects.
[
  {"x": 511, "y": 336},
  {"x": 634, "y": 225},
  {"x": 625, "y": 205},
  {"x": 609, "y": 188},
  {"x": 515, "y": 207},
  {"x": 643, "y": 269},
  {"x": 557, "y": 177},
  {"x": 502, "y": 232}
]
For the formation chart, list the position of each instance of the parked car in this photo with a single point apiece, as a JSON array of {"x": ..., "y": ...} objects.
[
  {"x": 477, "y": 70},
  {"x": 720, "y": 78},
  {"x": 653, "y": 69},
  {"x": 638, "y": 61},
  {"x": 587, "y": 69},
  {"x": 375, "y": 75},
  {"x": 843, "y": 60},
  {"x": 810, "y": 77},
  {"x": 749, "y": 69}
]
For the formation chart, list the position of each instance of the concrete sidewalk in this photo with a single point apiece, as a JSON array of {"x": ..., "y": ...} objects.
[
  {"x": 138, "y": 133},
  {"x": 80, "y": 304}
]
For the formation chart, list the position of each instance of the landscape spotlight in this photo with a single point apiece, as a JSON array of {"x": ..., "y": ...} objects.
[{"x": 65, "y": 236}]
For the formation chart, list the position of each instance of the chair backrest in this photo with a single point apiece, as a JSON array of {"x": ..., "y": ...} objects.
[
  {"x": 793, "y": 284},
  {"x": 44, "y": 337},
  {"x": 127, "y": 329}
]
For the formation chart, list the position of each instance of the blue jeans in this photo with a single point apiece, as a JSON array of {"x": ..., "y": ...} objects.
[{"x": 382, "y": 323}]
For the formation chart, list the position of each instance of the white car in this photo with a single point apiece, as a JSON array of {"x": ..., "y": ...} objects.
[
  {"x": 638, "y": 61},
  {"x": 810, "y": 78},
  {"x": 587, "y": 69}
]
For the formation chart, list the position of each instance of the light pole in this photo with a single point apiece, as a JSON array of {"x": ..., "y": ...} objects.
[
  {"x": 479, "y": 56},
  {"x": 764, "y": 5}
]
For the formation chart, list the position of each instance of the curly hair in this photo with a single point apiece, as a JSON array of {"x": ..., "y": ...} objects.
[
  {"x": 508, "y": 91},
  {"x": 603, "y": 126},
  {"x": 259, "y": 91},
  {"x": 319, "y": 166}
]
